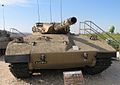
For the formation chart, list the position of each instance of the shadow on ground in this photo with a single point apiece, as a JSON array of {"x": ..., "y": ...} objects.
[
  {"x": 54, "y": 77},
  {"x": 1, "y": 58}
]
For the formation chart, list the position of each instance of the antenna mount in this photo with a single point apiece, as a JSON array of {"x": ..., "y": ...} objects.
[{"x": 3, "y": 17}]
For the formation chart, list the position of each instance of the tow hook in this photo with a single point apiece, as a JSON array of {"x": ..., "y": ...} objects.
[{"x": 10, "y": 65}]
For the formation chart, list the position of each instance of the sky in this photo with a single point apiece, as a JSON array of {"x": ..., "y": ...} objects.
[{"x": 23, "y": 14}]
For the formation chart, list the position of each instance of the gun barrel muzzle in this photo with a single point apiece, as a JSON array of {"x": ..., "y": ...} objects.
[{"x": 72, "y": 20}]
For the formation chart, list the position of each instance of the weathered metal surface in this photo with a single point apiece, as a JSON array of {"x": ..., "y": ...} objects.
[
  {"x": 62, "y": 60},
  {"x": 52, "y": 46},
  {"x": 56, "y": 43}
]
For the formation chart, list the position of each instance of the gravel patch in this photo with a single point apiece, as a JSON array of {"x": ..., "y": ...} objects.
[{"x": 111, "y": 76}]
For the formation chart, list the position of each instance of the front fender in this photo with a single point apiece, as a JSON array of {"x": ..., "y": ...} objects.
[{"x": 17, "y": 58}]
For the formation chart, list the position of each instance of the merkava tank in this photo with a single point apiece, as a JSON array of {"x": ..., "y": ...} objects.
[
  {"x": 4, "y": 40},
  {"x": 53, "y": 46}
]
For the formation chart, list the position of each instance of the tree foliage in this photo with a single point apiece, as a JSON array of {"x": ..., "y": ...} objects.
[{"x": 111, "y": 29}]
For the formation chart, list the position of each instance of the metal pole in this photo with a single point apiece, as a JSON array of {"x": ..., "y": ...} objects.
[
  {"x": 61, "y": 10},
  {"x": 90, "y": 26},
  {"x": 84, "y": 28},
  {"x": 38, "y": 11},
  {"x": 3, "y": 17},
  {"x": 50, "y": 12},
  {"x": 79, "y": 27}
]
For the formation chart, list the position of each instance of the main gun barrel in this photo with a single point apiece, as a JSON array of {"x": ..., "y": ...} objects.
[
  {"x": 66, "y": 23},
  {"x": 70, "y": 21}
]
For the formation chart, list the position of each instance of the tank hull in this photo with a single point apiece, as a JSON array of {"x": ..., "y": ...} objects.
[
  {"x": 48, "y": 51},
  {"x": 62, "y": 60}
]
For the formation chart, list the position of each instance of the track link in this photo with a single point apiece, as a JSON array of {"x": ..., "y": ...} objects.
[
  {"x": 2, "y": 52},
  {"x": 102, "y": 63},
  {"x": 20, "y": 70}
]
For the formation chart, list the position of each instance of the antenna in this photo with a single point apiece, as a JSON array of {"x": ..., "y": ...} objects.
[
  {"x": 61, "y": 10},
  {"x": 50, "y": 12},
  {"x": 3, "y": 17},
  {"x": 38, "y": 11}
]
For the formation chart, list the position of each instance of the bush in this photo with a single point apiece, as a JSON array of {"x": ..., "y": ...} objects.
[{"x": 114, "y": 44}]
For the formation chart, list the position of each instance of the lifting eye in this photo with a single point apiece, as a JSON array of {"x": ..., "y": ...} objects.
[
  {"x": 42, "y": 59},
  {"x": 19, "y": 40},
  {"x": 85, "y": 55},
  {"x": 34, "y": 43},
  {"x": 65, "y": 42}
]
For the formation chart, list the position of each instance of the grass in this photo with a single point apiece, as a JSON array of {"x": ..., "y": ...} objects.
[
  {"x": 116, "y": 36},
  {"x": 110, "y": 41}
]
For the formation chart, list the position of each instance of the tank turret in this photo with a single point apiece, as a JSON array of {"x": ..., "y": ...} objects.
[{"x": 54, "y": 28}]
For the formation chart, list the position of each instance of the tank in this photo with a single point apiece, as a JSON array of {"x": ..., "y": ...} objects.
[
  {"x": 53, "y": 46},
  {"x": 4, "y": 40}
]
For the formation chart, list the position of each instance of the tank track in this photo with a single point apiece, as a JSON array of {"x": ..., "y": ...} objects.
[
  {"x": 2, "y": 52},
  {"x": 102, "y": 63},
  {"x": 20, "y": 70}
]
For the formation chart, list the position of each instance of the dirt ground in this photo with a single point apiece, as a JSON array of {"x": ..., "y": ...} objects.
[{"x": 109, "y": 77}]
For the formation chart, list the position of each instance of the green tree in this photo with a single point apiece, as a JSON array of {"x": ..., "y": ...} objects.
[{"x": 112, "y": 29}]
